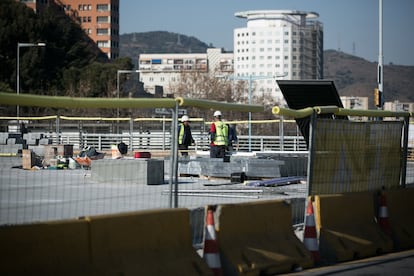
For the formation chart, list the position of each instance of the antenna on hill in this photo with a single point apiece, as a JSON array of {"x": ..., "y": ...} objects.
[
  {"x": 353, "y": 48},
  {"x": 339, "y": 42},
  {"x": 179, "y": 40}
]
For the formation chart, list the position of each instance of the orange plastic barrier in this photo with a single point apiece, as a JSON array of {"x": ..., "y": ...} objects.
[
  {"x": 257, "y": 238},
  {"x": 347, "y": 227},
  {"x": 400, "y": 205},
  {"x": 155, "y": 242},
  {"x": 55, "y": 248}
]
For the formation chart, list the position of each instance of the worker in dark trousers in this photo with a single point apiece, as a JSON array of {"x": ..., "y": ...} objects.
[
  {"x": 219, "y": 133},
  {"x": 185, "y": 138}
]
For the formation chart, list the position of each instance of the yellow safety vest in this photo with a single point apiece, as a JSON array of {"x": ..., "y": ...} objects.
[
  {"x": 181, "y": 134},
  {"x": 222, "y": 133}
]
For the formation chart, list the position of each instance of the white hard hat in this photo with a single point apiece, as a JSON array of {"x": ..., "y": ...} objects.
[
  {"x": 185, "y": 118},
  {"x": 217, "y": 113}
]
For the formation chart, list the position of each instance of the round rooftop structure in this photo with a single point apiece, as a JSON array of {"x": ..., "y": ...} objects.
[{"x": 274, "y": 14}]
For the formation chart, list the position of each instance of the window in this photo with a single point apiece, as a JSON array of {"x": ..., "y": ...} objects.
[
  {"x": 102, "y": 31},
  {"x": 103, "y": 43},
  {"x": 102, "y": 7},
  {"x": 102, "y": 19}
]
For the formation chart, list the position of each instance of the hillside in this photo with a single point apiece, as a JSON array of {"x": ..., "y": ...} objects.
[
  {"x": 353, "y": 76},
  {"x": 131, "y": 45}
]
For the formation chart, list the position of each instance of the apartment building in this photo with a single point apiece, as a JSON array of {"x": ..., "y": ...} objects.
[
  {"x": 399, "y": 106},
  {"x": 278, "y": 44},
  {"x": 98, "y": 18},
  {"x": 164, "y": 70},
  {"x": 351, "y": 102}
]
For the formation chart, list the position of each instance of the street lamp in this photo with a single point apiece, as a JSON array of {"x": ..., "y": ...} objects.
[
  {"x": 119, "y": 72},
  {"x": 19, "y": 44},
  {"x": 249, "y": 79},
  {"x": 380, "y": 70}
]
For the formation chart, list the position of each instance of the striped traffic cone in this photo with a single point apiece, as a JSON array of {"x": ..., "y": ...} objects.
[
  {"x": 383, "y": 221},
  {"x": 211, "y": 252},
  {"x": 310, "y": 236}
]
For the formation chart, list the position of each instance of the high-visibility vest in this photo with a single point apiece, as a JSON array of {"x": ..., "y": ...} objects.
[
  {"x": 181, "y": 134},
  {"x": 222, "y": 133}
]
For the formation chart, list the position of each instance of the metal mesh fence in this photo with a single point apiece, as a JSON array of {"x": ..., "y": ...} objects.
[
  {"x": 346, "y": 156},
  {"x": 45, "y": 182},
  {"x": 350, "y": 156}
]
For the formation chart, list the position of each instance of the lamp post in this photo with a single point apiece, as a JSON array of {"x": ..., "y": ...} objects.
[
  {"x": 380, "y": 76},
  {"x": 249, "y": 79},
  {"x": 118, "y": 73},
  {"x": 19, "y": 44}
]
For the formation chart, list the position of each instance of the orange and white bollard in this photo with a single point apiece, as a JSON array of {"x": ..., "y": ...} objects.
[{"x": 211, "y": 251}]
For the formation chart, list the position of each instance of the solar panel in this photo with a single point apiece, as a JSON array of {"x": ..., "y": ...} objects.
[{"x": 309, "y": 93}]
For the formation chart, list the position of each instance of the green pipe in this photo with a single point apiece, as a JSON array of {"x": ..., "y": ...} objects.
[
  {"x": 297, "y": 114},
  {"x": 208, "y": 104},
  {"x": 72, "y": 102}
]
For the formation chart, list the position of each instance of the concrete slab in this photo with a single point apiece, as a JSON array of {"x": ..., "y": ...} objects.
[
  {"x": 216, "y": 167},
  {"x": 135, "y": 171}
]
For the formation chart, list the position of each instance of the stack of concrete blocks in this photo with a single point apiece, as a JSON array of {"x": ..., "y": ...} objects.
[
  {"x": 9, "y": 144},
  {"x": 131, "y": 171},
  {"x": 216, "y": 167},
  {"x": 32, "y": 138}
]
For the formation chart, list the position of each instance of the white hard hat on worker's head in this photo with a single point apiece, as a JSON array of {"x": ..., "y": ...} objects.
[
  {"x": 217, "y": 113},
  {"x": 185, "y": 118}
]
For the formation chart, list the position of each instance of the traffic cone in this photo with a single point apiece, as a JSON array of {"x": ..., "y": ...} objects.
[
  {"x": 383, "y": 221},
  {"x": 211, "y": 252},
  {"x": 310, "y": 236}
]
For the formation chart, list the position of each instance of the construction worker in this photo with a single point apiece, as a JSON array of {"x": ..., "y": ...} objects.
[
  {"x": 219, "y": 133},
  {"x": 233, "y": 141},
  {"x": 185, "y": 138}
]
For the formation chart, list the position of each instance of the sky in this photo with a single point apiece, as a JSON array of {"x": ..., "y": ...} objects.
[{"x": 351, "y": 26}]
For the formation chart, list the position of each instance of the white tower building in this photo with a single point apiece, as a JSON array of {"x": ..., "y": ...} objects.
[{"x": 277, "y": 44}]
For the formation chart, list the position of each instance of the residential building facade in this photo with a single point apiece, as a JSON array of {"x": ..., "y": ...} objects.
[
  {"x": 164, "y": 70},
  {"x": 98, "y": 18},
  {"x": 399, "y": 106}
]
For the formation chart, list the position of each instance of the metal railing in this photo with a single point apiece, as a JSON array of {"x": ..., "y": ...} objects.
[{"x": 162, "y": 141}]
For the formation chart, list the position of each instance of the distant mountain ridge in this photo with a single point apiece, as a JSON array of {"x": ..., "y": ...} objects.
[
  {"x": 133, "y": 44},
  {"x": 353, "y": 76}
]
